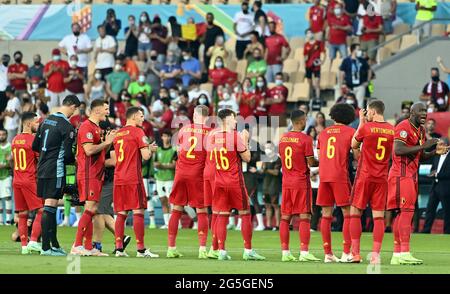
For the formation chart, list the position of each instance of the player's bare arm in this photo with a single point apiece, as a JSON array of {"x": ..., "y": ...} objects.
[
  {"x": 246, "y": 155},
  {"x": 312, "y": 161},
  {"x": 147, "y": 152},
  {"x": 91, "y": 149}
]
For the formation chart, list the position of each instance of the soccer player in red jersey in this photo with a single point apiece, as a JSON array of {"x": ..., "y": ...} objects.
[
  {"x": 409, "y": 148},
  {"x": 334, "y": 145},
  {"x": 131, "y": 146},
  {"x": 90, "y": 172},
  {"x": 296, "y": 152},
  {"x": 229, "y": 149},
  {"x": 371, "y": 186},
  {"x": 24, "y": 182},
  {"x": 188, "y": 182}
]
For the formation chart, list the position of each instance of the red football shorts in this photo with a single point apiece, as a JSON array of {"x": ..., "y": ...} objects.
[
  {"x": 330, "y": 193},
  {"x": 129, "y": 197},
  {"x": 187, "y": 191},
  {"x": 296, "y": 201},
  {"x": 227, "y": 198},
  {"x": 25, "y": 198},
  {"x": 402, "y": 193},
  {"x": 90, "y": 190},
  {"x": 366, "y": 191},
  {"x": 208, "y": 190}
]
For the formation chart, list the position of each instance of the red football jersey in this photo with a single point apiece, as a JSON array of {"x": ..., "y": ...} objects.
[
  {"x": 89, "y": 167},
  {"x": 127, "y": 146},
  {"x": 338, "y": 36},
  {"x": 317, "y": 18},
  {"x": 294, "y": 148},
  {"x": 371, "y": 23},
  {"x": 377, "y": 140},
  {"x": 191, "y": 149},
  {"x": 334, "y": 144},
  {"x": 312, "y": 51},
  {"x": 25, "y": 159},
  {"x": 226, "y": 147},
  {"x": 19, "y": 84},
  {"x": 407, "y": 166},
  {"x": 210, "y": 162}
]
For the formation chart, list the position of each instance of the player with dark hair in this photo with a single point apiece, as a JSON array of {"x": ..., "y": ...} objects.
[
  {"x": 131, "y": 146},
  {"x": 334, "y": 145},
  {"x": 24, "y": 183},
  {"x": 297, "y": 155},
  {"x": 371, "y": 186},
  {"x": 54, "y": 140},
  {"x": 90, "y": 173}
]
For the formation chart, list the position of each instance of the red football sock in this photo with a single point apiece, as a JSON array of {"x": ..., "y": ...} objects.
[
  {"x": 305, "y": 233},
  {"x": 247, "y": 230},
  {"x": 119, "y": 230},
  {"x": 404, "y": 227},
  {"x": 173, "y": 226},
  {"x": 215, "y": 244},
  {"x": 347, "y": 242},
  {"x": 284, "y": 234},
  {"x": 88, "y": 236},
  {"x": 378, "y": 233},
  {"x": 395, "y": 231},
  {"x": 138, "y": 226},
  {"x": 325, "y": 230},
  {"x": 23, "y": 229},
  {"x": 221, "y": 230},
  {"x": 37, "y": 228},
  {"x": 355, "y": 232},
  {"x": 83, "y": 225},
  {"x": 202, "y": 228}
]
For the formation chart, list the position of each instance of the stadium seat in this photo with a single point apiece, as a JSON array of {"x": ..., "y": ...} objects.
[
  {"x": 241, "y": 69},
  {"x": 300, "y": 92},
  {"x": 297, "y": 77},
  {"x": 232, "y": 64},
  {"x": 336, "y": 64},
  {"x": 327, "y": 80},
  {"x": 298, "y": 54},
  {"x": 401, "y": 28},
  {"x": 91, "y": 68},
  {"x": 295, "y": 42},
  {"x": 290, "y": 66},
  {"x": 393, "y": 46},
  {"x": 230, "y": 45},
  {"x": 438, "y": 29},
  {"x": 208, "y": 87},
  {"x": 383, "y": 53},
  {"x": 141, "y": 65},
  {"x": 408, "y": 41}
]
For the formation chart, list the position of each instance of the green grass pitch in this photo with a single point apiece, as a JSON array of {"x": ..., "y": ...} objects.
[{"x": 433, "y": 249}]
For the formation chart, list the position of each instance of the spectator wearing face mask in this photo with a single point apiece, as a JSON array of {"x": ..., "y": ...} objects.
[
  {"x": 17, "y": 74},
  {"x": 3, "y": 81},
  {"x": 170, "y": 71},
  {"x": 79, "y": 117},
  {"x": 355, "y": 73},
  {"x": 436, "y": 91},
  {"x": 316, "y": 15},
  {"x": 261, "y": 94},
  {"x": 159, "y": 38},
  {"x": 210, "y": 37},
  {"x": 226, "y": 99},
  {"x": 276, "y": 99},
  {"x": 112, "y": 24},
  {"x": 243, "y": 26},
  {"x": 201, "y": 100},
  {"x": 140, "y": 87},
  {"x": 131, "y": 37},
  {"x": 96, "y": 87},
  {"x": 314, "y": 53},
  {"x": 220, "y": 75},
  {"x": 153, "y": 70},
  {"x": 54, "y": 73},
  {"x": 129, "y": 66},
  {"x": 118, "y": 108},
  {"x": 165, "y": 121},
  {"x": 28, "y": 104},
  {"x": 247, "y": 99},
  {"x": 74, "y": 79},
  {"x": 195, "y": 91},
  {"x": 258, "y": 67},
  {"x": 372, "y": 28},
  {"x": 117, "y": 80},
  {"x": 340, "y": 26},
  {"x": 190, "y": 68},
  {"x": 77, "y": 44},
  {"x": 254, "y": 44},
  {"x": 275, "y": 55},
  {"x": 218, "y": 50},
  {"x": 144, "y": 31},
  {"x": 36, "y": 70}
]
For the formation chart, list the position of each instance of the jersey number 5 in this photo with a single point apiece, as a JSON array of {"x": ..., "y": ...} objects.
[
  {"x": 121, "y": 152},
  {"x": 381, "y": 148},
  {"x": 21, "y": 161}
]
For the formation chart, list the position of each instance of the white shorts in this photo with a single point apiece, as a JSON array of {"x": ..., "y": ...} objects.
[
  {"x": 164, "y": 188},
  {"x": 6, "y": 188}
]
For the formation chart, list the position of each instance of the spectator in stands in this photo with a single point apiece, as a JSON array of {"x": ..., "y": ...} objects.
[
  {"x": 254, "y": 44},
  {"x": 131, "y": 37},
  {"x": 190, "y": 68},
  {"x": 330, "y": 9},
  {"x": 277, "y": 99},
  {"x": 316, "y": 16},
  {"x": 140, "y": 87},
  {"x": 117, "y": 80},
  {"x": 351, "y": 8},
  {"x": 388, "y": 13},
  {"x": 274, "y": 55},
  {"x": 350, "y": 99},
  {"x": 210, "y": 37},
  {"x": 153, "y": 70},
  {"x": 3, "y": 82},
  {"x": 355, "y": 73},
  {"x": 54, "y": 74},
  {"x": 221, "y": 75},
  {"x": 74, "y": 79},
  {"x": 17, "y": 74},
  {"x": 247, "y": 99},
  {"x": 372, "y": 28},
  {"x": 163, "y": 93},
  {"x": 243, "y": 26},
  {"x": 27, "y": 104},
  {"x": 310, "y": 121},
  {"x": 218, "y": 50},
  {"x": 340, "y": 26},
  {"x": 79, "y": 116},
  {"x": 436, "y": 91},
  {"x": 144, "y": 44},
  {"x": 11, "y": 115},
  {"x": 129, "y": 66},
  {"x": 321, "y": 122},
  {"x": 118, "y": 107},
  {"x": 444, "y": 68},
  {"x": 112, "y": 24},
  {"x": 226, "y": 99},
  {"x": 262, "y": 28},
  {"x": 96, "y": 87},
  {"x": 257, "y": 11},
  {"x": 272, "y": 185},
  {"x": 314, "y": 52},
  {"x": 36, "y": 71},
  {"x": 425, "y": 13},
  {"x": 429, "y": 129},
  {"x": 195, "y": 91},
  {"x": 261, "y": 94},
  {"x": 165, "y": 121},
  {"x": 77, "y": 44},
  {"x": 170, "y": 71},
  {"x": 105, "y": 49},
  {"x": 159, "y": 38},
  {"x": 258, "y": 67}
]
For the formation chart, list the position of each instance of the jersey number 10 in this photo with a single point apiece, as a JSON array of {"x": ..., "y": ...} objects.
[{"x": 20, "y": 160}]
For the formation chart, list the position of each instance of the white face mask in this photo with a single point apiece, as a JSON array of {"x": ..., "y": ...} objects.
[
  {"x": 185, "y": 57},
  {"x": 173, "y": 95},
  {"x": 202, "y": 101},
  {"x": 143, "y": 19},
  {"x": 98, "y": 76},
  {"x": 260, "y": 84},
  {"x": 310, "y": 36},
  {"x": 34, "y": 86},
  {"x": 358, "y": 53},
  {"x": 338, "y": 11},
  {"x": 141, "y": 79},
  {"x": 219, "y": 64},
  {"x": 430, "y": 110},
  {"x": 236, "y": 89},
  {"x": 56, "y": 57},
  {"x": 348, "y": 101},
  {"x": 73, "y": 63},
  {"x": 268, "y": 152},
  {"x": 226, "y": 96},
  {"x": 278, "y": 82},
  {"x": 117, "y": 67}
]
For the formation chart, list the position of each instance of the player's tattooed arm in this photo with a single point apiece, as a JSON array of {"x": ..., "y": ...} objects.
[{"x": 401, "y": 149}]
